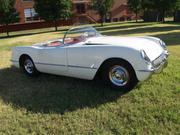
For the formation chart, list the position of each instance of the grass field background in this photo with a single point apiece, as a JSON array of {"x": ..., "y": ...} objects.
[{"x": 61, "y": 105}]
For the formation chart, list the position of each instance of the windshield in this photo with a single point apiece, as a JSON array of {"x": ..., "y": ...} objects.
[{"x": 80, "y": 34}]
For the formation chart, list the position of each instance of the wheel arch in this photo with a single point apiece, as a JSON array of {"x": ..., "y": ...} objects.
[
  {"x": 110, "y": 60},
  {"x": 22, "y": 57}
]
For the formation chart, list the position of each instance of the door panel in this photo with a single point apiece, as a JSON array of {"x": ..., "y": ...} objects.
[
  {"x": 53, "y": 60},
  {"x": 81, "y": 62}
]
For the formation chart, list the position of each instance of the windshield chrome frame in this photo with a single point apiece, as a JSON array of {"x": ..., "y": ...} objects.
[{"x": 80, "y": 27}]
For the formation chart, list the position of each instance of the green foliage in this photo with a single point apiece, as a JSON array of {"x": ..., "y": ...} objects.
[
  {"x": 53, "y": 10},
  {"x": 158, "y": 5},
  {"x": 135, "y": 5},
  {"x": 177, "y": 11},
  {"x": 163, "y": 6},
  {"x": 103, "y": 7},
  {"x": 8, "y": 13},
  {"x": 177, "y": 5},
  {"x": 154, "y": 9}
]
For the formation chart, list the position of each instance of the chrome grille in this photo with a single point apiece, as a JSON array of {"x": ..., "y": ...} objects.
[{"x": 157, "y": 62}]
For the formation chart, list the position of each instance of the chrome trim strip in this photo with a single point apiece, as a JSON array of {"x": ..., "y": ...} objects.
[
  {"x": 146, "y": 70},
  {"x": 50, "y": 64},
  {"x": 72, "y": 66},
  {"x": 95, "y": 44}
]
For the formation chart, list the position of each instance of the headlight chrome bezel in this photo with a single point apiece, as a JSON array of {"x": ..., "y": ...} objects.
[
  {"x": 163, "y": 44},
  {"x": 145, "y": 57}
]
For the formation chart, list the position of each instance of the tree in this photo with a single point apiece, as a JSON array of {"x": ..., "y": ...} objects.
[
  {"x": 177, "y": 11},
  {"x": 8, "y": 13},
  {"x": 157, "y": 9},
  {"x": 102, "y": 7},
  {"x": 53, "y": 10},
  {"x": 135, "y": 6},
  {"x": 163, "y": 6}
]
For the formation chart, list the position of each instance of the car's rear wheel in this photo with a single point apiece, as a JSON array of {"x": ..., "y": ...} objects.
[
  {"x": 28, "y": 66},
  {"x": 119, "y": 75}
]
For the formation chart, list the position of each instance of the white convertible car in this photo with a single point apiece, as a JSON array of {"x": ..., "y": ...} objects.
[{"x": 84, "y": 53}]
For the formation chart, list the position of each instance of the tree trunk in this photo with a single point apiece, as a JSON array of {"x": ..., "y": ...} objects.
[
  {"x": 8, "y": 33},
  {"x": 163, "y": 16},
  {"x": 102, "y": 22},
  {"x": 55, "y": 25},
  {"x": 174, "y": 14},
  {"x": 157, "y": 18},
  {"x": 177, "y": 16},
  {"x": 136, "y": 16},
  {"x": 7, "y": 30}
]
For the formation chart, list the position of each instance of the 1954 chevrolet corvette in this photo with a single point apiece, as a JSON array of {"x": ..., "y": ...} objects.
[{"x": 84, "y": 53}]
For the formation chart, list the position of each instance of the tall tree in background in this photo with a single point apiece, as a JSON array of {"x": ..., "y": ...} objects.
[
  {"x": 177, "y": 11},
  {"x": 135, "y": 6},
  {"x": 157, "y": 9},
  {"x": 53, "y": 10},
  {"x": 162, "y": 7},
  {"x": 8, "y": 13},
  {"x": 102, "y": 7}
]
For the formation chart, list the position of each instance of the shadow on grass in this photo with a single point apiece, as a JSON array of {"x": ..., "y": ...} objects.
[
  {"x": 119, "y": 27},
  {"x": 55, "y": 94},
  {"x": 141, "y": 30},
  {"x": 170, "y": 38},
  {"x": 30, "y": 33}
]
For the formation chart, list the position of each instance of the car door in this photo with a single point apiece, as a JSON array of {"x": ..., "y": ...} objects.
[
  {"x": 53, "y": 60},
  {"x": 81, "y": 62}
]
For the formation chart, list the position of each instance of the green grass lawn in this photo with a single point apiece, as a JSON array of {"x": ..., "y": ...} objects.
[{"x": 61, "y": 105}]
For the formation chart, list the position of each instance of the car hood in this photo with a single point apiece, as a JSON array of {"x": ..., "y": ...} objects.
[{"x": 150, "y": 45}]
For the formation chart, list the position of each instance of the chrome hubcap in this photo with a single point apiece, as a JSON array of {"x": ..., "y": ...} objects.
[
  {"x": 118, "y": 75},
  {"x": 28, "y": 65}
]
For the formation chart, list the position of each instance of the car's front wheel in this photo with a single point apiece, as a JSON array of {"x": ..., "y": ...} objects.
[
  {"x": 28, "y": 66},
  {"x": 119, "y": 75}
]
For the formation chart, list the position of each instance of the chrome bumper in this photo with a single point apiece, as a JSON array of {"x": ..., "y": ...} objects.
[
  {"x": 160, "y": 68},
  {"x": 163, "y": 64},
  {"x": 158, "y": 64}
]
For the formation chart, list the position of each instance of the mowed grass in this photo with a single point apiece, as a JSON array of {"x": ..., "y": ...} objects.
[{"x": 61, "y": 105}]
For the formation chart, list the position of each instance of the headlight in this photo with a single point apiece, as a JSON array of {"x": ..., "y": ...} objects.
[
  {"x": 163, "y": 44},
  {"x": 144, "y": 56}
]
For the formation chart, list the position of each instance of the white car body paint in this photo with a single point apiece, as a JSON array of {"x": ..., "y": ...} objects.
[{"x": 83, "y": 59}]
